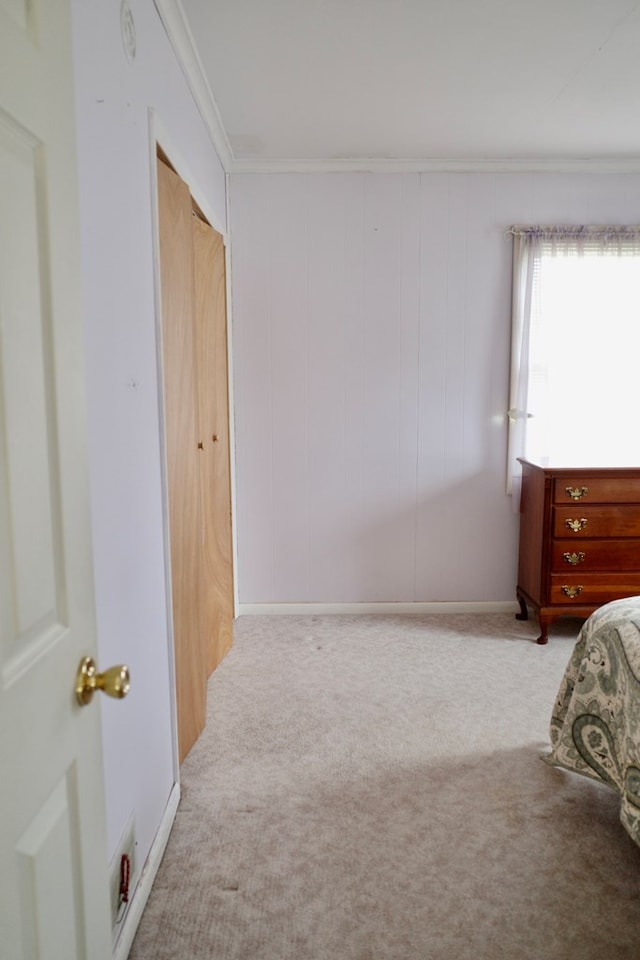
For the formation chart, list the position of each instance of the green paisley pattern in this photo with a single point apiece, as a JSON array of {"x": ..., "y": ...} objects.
[{"x": 595, "y": 724}]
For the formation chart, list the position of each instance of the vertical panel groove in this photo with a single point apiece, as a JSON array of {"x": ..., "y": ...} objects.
[
  {"x": 307, "y": 389},
  {"x": 416, "y": 500},
  {"x": 276, "y": 220}
]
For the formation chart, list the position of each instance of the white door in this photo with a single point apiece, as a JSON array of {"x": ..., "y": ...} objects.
[{"x": 54, "y": 901}]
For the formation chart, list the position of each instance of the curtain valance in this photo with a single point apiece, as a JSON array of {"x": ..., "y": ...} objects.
[{"x": 579, "y": 239}]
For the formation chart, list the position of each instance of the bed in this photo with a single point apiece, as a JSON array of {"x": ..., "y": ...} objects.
[{"x": 595, "y": 724}]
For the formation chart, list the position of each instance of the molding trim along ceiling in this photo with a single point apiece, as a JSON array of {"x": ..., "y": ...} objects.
[
  {"x": 172, "y": 15},
  {"x": 441, "y": 165},
  {"x": 177, "y": 29}
]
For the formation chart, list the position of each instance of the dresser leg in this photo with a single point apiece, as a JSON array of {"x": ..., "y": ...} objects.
[
  {"x": 544, "y": 631},
  {"x": 524, "y": 613}
]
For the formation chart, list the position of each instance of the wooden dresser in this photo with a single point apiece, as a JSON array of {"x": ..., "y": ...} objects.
[{"x": 579, "y": 540}]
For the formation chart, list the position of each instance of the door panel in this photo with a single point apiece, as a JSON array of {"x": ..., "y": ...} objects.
[
  {"x": 54, "y": 898},
  {"x": 182, "y": 451},
  {"x": 213, "y": 414},
  {"x": 43, "y": 852},
  {"x": 31, "y": 557}
]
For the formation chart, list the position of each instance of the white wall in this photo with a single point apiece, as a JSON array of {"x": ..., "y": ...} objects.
[
  {"x": 114, "y": 150},
  {"x": 371, "y": 340}
]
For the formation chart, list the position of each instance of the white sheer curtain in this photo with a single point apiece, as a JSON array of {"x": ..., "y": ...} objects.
[{"x": 574, "y": 393}]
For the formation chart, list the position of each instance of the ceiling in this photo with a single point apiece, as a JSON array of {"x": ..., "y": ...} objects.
[{"x": 424, "y": 83}]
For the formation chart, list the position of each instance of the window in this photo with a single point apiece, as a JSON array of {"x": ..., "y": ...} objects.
[{"x": 575, "y": 372}]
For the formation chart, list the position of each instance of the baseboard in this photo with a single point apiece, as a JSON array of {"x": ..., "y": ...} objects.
[
  {"x": 308, "y": 609},
  {"x": 143, "y": 889}
]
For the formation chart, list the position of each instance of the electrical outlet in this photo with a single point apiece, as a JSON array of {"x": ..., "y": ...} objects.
[{"x": 127, "y": 847}]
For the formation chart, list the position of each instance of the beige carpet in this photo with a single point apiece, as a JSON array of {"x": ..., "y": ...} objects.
[{"x": 371, "y": 788}]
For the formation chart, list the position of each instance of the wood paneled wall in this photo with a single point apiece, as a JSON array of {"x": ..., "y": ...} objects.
[{"x": 371, "y": 343}]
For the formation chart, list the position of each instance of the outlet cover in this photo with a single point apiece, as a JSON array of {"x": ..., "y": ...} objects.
[{"x": 127, "y": 846}]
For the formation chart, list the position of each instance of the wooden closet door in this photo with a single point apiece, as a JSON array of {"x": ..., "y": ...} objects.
[
  {"x": 213, "y": 414},
  {"x": 182, "y": 451}
]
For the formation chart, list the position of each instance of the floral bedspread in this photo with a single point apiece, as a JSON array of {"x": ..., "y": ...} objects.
[{"x": 595, "y": 725}]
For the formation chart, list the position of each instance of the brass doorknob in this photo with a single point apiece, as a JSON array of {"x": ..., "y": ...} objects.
[{"x": 115, "y": 682}]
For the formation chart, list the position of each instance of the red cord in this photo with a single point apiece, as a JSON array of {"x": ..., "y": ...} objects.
[{"x": 125, "y": 876}]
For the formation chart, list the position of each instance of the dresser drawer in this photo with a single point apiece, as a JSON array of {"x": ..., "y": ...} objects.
[
  {"x": 580, "y": 520},
  {"x": 592, "y": 555},
  {"x": 596, "y": 490},
  {"x": 592, "y": 588}
]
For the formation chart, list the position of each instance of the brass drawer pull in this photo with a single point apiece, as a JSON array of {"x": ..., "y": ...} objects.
[
  {"x": 573, "y": 558},
  {"x": 572, "y": 591},
  {"x": 576, "y": 493},
  {"x": 576, "y": 525}
]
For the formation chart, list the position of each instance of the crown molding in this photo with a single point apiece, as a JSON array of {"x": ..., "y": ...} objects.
[
  {"x": 436, "y": 165},
  {"x": 171, "y": 13},
  {"x": 174, "y": 21}
]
